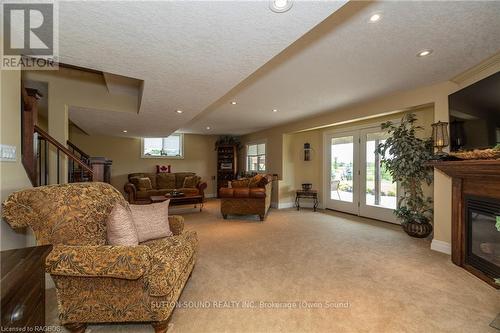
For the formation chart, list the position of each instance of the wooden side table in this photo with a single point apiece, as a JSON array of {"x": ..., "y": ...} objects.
[{"x": 310, "y": 194}]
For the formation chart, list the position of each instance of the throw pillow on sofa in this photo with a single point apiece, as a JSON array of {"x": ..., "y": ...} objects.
[
  {"x": 163, "y": 168},
  {"x": 135, "y": 181},
  {"x": 240, "y": 183},
  {"x": 144, "y": 184},
  {"x": 165, "y": 180},
  {"x": 151, "y": 221},
  {"x": 120, "y": 227},
  {"x": 191, "y": 182},
  {"x": 257, "y": 181},
  {"x": 179, "y": 178}
]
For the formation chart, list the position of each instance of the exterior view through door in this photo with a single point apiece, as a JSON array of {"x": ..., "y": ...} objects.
[{"x": 357, "y": 182}]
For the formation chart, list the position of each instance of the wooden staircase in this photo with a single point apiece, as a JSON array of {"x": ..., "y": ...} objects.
[
  {"x": 76, "y": 173},
  {"x": 44, "y": 158}
]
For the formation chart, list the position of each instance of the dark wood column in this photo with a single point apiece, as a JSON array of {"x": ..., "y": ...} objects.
[{"x": 29, "y": 118}]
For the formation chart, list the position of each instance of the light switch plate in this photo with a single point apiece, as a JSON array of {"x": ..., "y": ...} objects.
[{"x": 7, "y": 153}]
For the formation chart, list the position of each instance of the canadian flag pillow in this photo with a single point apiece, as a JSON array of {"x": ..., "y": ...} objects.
[{"x": 163, "y": 169}]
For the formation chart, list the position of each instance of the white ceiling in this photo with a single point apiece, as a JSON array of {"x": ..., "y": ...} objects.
[
  {"x": 347, "y": 60},
  {"x": 188, "y": 53}
]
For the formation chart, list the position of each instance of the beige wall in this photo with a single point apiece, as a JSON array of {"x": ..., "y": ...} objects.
[
  {"x": 280, "y": 137},
  {"x": 300, "y": 171},
  {"x": 69, "y": 87},
  {"x": 199, "y": 156},
  {"x": 12, "y": 174}
]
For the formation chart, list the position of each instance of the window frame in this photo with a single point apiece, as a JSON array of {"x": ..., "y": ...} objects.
[
  {"x": 181, "y": 148},
  {"x": 247, "y": 164}
]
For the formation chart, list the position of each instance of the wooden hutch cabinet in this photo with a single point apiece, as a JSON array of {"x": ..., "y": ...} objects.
[{"x": 227, "y": 165}]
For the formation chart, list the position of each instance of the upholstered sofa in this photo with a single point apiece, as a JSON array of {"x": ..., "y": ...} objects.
[
  {"x": 160, "y": 184},
  {"x": 247, "y": 197},
  {"x": 95, "y": 282}
]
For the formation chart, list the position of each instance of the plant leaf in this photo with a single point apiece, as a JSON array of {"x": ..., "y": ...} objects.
[{"x": 498, "y": 223}]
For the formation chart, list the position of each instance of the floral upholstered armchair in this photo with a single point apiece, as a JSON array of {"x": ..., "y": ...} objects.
[{"x": 95, "y": 282}]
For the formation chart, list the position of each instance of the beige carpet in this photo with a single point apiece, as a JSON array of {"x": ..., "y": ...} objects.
[{"x": 354, "y": 274}]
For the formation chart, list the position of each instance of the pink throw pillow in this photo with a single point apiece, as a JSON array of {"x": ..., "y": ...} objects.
[
  {"x": 151, "y": 221},
  {"x": 120, "y": 227}
]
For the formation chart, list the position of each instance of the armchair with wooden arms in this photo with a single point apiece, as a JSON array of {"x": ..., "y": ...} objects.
[{"x": 95, "y": 282}]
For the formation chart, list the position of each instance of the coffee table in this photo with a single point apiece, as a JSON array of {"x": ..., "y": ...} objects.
[{"x": 180, "y": 200}]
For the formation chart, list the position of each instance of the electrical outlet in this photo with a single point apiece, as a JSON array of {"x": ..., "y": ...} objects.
[{"x": 7, "y": 153}]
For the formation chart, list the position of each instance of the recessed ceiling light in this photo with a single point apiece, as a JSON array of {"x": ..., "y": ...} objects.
[
  {"x": 234, "y": 103},
  {"x": 424, "y": 53},
  {"x": 179, "y": 111},
  {"x": 375, "y": 17},
  {"x": 275, "y": 110},
  {"x": 280, "y": 6},
  {"x": 125, "y": 131},
  {"x": 208, "y": 128}
]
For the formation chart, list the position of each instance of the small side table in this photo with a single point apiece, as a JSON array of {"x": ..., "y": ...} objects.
[
  {"x": 310, "y": 194},
  {"x": 23, "y": 288}
]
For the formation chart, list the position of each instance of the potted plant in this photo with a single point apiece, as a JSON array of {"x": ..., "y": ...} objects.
[
  {"x": 228, "y": 140},
  {"x": 405, "y": 155}
]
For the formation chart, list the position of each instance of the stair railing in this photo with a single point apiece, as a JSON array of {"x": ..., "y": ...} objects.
[
  {"x": 42, "y": 158},
  {"x": 74, "y": 170}
]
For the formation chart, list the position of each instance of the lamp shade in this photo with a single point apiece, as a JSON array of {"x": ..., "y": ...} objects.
[{"x": 440, "y": 135}]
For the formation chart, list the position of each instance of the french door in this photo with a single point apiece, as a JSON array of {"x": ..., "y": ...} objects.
[{"x": 357, "y": 182}]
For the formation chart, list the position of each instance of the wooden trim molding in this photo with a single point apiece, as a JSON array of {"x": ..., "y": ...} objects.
[
  {"x": 457, "y": 227},
  {"x": 469, "y": 168},
  {"x": 481, "y": 67}
]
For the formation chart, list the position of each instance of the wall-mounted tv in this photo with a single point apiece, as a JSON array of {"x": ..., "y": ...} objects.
[{"x": 475, "y": 115}]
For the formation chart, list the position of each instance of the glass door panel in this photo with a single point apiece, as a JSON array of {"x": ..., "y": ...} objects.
[
  {"x": 378, "y": 192},
  {"x": 342, "y": 164},
  {"x": 342, "y": 178},
  {"x": 356, "y": 180}
]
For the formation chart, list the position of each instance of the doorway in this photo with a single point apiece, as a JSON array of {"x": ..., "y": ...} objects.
[{"x": 356, "y": 180}]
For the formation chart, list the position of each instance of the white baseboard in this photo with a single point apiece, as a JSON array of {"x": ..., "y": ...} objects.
[
  {"x": 440, "y": 246},
  {"x": 284, "y": 205}
]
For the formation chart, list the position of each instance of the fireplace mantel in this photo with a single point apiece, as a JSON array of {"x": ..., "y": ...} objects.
[
  {"x": 472, "y": 177},
  {"x": 469, "y": 168}
]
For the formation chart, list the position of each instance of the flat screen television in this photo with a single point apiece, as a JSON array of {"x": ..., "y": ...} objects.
[{"x": 475, "y": 115}]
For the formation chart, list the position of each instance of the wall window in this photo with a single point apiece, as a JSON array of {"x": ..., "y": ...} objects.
[
  {"x": 256, "y": 157},
  {"x": 168, "y": 147}
]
